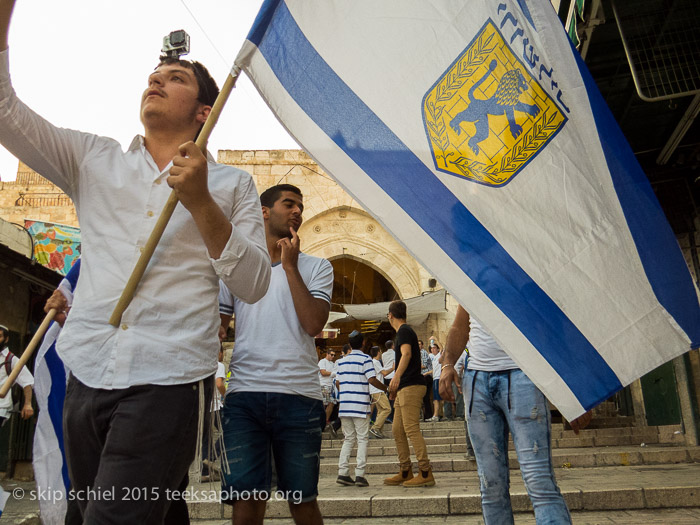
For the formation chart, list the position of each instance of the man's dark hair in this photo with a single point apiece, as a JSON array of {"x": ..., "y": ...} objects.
[
  {"x": 346, "y": 348},
  {"x": 420, "y": 341},
  {"x": 389, "y": 344},
  {"x": 374, "y": 351},
  {"x": 356, "y": 339},
  {"x": 271, "y": 194},
  {"x": 398, "y": 310},
  {"x": 208, "y": 90}
]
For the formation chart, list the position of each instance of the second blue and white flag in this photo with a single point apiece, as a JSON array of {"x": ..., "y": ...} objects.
[{"x": 473, "y": 132}]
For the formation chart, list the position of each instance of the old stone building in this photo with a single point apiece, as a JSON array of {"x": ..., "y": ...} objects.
[{"x": 370, "y": 265}]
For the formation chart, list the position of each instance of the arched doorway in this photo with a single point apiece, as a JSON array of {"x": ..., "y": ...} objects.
[{"x": 356, "y": 282}]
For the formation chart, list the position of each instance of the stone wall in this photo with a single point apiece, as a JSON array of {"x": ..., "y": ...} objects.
[{"x": 33, "y": 197}]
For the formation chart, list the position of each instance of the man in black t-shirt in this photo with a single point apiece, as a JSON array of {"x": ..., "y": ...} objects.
[{"x": 407, "y": 388}]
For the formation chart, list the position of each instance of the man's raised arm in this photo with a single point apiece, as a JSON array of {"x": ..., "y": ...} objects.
[{"x": 311, "y": 311}]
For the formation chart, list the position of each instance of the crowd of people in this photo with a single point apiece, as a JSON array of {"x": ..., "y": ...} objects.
[{"x": 132, "y": 416}]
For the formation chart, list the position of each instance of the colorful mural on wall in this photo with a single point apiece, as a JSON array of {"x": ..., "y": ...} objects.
[{"x": 56, "y": 246}]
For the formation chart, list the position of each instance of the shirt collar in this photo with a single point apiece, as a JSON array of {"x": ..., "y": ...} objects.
[{"x": 138, "y": 144}]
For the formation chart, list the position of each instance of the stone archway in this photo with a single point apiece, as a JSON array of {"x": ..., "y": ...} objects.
[
  {"x": 353, "y": 233},
  {"x": 356, "y": 282}
]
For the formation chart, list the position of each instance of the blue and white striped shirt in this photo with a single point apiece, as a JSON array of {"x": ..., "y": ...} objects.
[{"x": 354, "y": 372}]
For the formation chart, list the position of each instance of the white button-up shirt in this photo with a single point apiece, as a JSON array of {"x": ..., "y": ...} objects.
[{"x": 169, "y": 333}]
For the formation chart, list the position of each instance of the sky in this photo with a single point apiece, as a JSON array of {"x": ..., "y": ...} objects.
[{"x": 83, "y": 64}]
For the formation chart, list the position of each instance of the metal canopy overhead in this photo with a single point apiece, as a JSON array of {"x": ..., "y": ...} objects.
[
  {"x": 662, "y": 44},
  {"x": 417, "y": 308},
  {"x": 664, "y": 134}
]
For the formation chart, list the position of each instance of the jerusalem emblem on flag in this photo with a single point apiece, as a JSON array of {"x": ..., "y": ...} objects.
[{"x": 487, "y": 117}]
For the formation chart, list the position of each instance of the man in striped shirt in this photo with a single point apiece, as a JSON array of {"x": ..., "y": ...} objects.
[{"x": 354, "y": 375}]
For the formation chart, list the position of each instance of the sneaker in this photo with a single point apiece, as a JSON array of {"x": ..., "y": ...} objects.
[
  {"x": 434, "y": 419},
  {"x": 376, "y": 433},
  {"x": 361, "y": 482},
  {"x": 345, "y": 480},
  {"x": 423, "y": 479},
  {"x": 400, "y": 478}
]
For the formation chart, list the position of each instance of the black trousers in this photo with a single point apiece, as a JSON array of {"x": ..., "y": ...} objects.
[
  {"x": 428, "y": 397},
  {"x": 129, "y": 450}
]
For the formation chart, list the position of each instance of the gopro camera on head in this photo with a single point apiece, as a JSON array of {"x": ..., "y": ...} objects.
[{"x": 176, "y": 44}]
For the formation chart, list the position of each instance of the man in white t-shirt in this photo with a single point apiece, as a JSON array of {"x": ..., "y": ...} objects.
[
  {"x": 325, "y": 371},
  {"x": 389, "y": 362},
  {"x": 273, "y": 407},
  {"x": 8, "y": 362},
  {"x": 379, "y": 397},
  {"x": 436, "y": 356},
  {"x": 500, "y": 397}
]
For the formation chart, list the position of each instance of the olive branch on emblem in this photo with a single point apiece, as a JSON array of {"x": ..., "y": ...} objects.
[
  {"x": 531, "y": 141},
  {"x": 473, "y": 58},
  {"x": 437, "y": 129}
]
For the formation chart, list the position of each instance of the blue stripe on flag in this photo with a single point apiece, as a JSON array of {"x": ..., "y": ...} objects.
[
  {"x": 315, "y": 87},
  {"x": 657, "y": 246},
  {"x": 262, "y": 21},
  {"x": 55, "y": 403},
  {"x": 73, "y": 274}
]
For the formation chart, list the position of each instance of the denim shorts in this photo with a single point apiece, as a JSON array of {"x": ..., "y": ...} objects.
[
  {"x": 436, "y": 390},
  {"x": 260, "y": 426}
]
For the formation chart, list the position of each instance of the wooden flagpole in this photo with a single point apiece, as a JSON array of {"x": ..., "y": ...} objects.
[
  {"x": 27, "y": 353},
  {"x": 165, "y": 215}
]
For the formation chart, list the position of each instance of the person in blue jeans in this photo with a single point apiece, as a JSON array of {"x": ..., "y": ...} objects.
[{"x": 499, "y": 397}]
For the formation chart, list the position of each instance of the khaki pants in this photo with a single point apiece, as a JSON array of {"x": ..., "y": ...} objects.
[
  {"x": 407, "y": 426},
  {"x": 383, "y": 409}
]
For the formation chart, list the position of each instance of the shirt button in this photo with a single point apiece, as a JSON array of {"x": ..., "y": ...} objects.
[
  {"x": 124, "y": 327},
  {"x": 150, "y": 213},
  {"x": 141, "y": 249}
]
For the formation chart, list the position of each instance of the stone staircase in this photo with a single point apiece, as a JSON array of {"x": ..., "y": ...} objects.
[{"x": 603, "y": 468}]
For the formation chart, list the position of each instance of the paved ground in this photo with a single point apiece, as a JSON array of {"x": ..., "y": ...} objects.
[
  {"x": 650, "y": 486},
  {"x": 655, "y": 517}
]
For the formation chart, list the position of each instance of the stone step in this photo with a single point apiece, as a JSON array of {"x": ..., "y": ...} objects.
[
  {"x": 455, "y": 434},
  {"x": 456, "y": 461},
  {"x": 457, "y": 493},
  {"x": 684, "y": 516}
]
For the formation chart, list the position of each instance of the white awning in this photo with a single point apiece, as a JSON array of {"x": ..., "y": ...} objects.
[{"x": 417, "y": 309}]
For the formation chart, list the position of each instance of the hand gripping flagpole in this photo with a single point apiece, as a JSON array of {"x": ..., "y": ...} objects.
[
  {"x": 169, "y": 208},
  {"x": 27, "y": 354}
]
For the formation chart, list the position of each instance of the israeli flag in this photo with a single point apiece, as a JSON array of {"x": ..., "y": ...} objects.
[
  {"x": 4, "y": 496},
  {"x": 49, "y": 457},
  {"x": 473, "y": 132}
]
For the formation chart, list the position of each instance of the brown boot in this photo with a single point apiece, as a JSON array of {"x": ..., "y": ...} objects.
[
  {"x": 400, "y": 478},
  {"x": 423, "y": 479}
]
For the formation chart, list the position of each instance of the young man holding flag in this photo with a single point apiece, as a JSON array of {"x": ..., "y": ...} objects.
[{"x": 145, "y": 377}]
